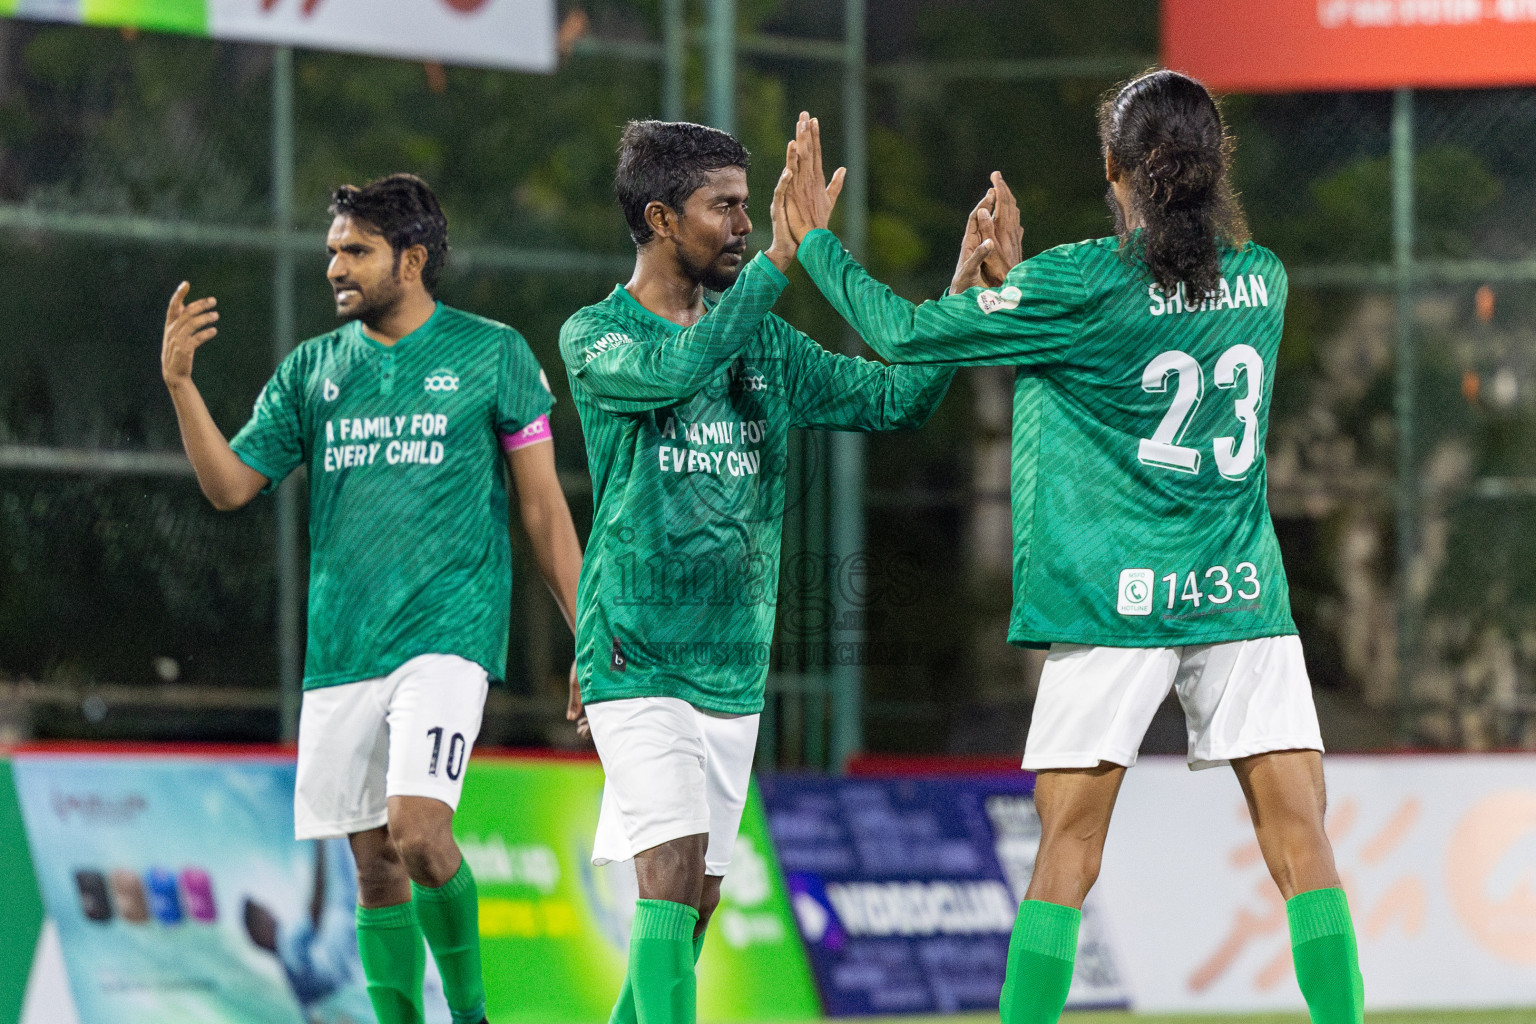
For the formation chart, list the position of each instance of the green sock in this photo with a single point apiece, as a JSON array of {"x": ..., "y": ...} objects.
[
  {"x": 662, "y": 951},
  {"x": 624, "y": 1009},
  {"x": 1326, "y": 956},
  {"x": 394, "y": 961},
  {"x": 450, "y": 919},
  {"x": 1041, "y": 956}
]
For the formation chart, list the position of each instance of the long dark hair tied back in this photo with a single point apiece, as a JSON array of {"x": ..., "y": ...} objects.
[{"x": 1164, "y": 132}]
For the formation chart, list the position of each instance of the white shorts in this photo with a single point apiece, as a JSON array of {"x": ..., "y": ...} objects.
[
  {"x": 406, "y": 734},
  {"x": 671, "y": 770},
  {"x": 1241, "y": 698}
]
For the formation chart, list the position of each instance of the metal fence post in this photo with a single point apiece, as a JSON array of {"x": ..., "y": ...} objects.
[
  {"x": 673, "y": 61},
  {"x": 1410, "y": 600},
  {"x": 847, "y": 526},
  {"x": 722, "y": 64},
  {"x": 290, "y": 647}
]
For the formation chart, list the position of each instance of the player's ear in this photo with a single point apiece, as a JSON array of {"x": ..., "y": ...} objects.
[
  {"x": 412, "y": 262},
  {"x": 661, "y": 218},
  {"x": 1111, "y": 169}
]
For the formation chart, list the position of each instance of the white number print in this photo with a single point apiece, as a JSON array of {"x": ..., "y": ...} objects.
[
  {"x": 1165, "y": 448},
  {"x": 1183, "y": 588},
  {"x": 1162, "y": 449},
  {"x": 1234, "y": 458}
]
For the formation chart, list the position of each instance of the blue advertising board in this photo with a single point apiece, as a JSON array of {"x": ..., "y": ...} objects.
[{"x": 906, "y": 889}]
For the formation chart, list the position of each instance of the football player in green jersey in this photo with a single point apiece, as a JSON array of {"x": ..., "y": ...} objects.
[
  {"x": 687, "y": 407},
  {"x": 408, "y": 418},
  {"x": 1144, "y": 556}
]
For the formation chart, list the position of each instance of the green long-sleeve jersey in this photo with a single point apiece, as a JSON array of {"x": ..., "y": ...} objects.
[
  {"x": 1140, "y": 516},
  {"x": 687, "y": 435}
]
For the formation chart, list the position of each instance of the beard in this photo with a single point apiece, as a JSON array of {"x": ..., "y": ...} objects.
[
  {"x": 709, "y": 273},
  {"x": 373, "y": 305}
]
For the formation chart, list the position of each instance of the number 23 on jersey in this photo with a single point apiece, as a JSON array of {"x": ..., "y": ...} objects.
[{"x": 1166, "y": 448}]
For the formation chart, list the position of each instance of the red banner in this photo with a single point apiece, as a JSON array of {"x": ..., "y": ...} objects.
[{"x": 1302, "y": 45}]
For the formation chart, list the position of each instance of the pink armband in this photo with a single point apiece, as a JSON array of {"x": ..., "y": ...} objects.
[{"x": 533, "y": 433}]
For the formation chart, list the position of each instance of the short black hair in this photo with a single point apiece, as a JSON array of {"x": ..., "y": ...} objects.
[
  {"x": 403, "y": 209},
  {"x": 666, "y": 161}
]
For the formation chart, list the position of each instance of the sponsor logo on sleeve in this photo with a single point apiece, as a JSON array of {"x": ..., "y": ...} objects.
[
  {"x": 442, "y": 380},
  {"x": 611, "y": 340},
  {"x": 330, "y": 391},
  {"x": 991, "y": 301},
  {"x": 1135, "y": 592}
]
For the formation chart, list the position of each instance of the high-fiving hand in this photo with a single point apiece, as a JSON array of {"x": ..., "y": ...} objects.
[
  {"x": 994, "y": 240},
  {"x": 809, "y": 197}
]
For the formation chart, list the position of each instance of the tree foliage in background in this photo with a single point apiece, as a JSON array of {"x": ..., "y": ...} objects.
[{"x": 99, "y": 578}]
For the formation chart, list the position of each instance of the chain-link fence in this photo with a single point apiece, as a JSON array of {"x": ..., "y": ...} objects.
[{"x": 129, "y": 162}]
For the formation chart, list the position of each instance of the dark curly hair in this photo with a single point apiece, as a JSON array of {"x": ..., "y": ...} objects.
[
  {"x": 666, "y": 161},
  {"x": 403, "y": 209},
  {"x": 1164, "y": 132}
]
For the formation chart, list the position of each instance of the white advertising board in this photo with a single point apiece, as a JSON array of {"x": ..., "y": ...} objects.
[
  {"x": 516, "y": 34},
  {"x": 1437, "y": 854},
  {"x": 513, "y": 34}
]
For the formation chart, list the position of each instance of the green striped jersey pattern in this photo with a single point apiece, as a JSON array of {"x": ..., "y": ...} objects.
[
  {"x": 687, "y": 439},
  {"x": 409, "y": 552},
  {"x": 1140, "y": 516}
]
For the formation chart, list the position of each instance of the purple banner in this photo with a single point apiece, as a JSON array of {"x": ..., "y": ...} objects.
[{"x": 906, "y": 889}]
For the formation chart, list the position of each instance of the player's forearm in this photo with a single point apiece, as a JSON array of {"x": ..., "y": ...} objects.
[
  {"x": 555, "y": 548},
  {"x": 682, "y": 364},
  {"x": 882, "y": 318},
  {"x": 227, "y": 482},
  {"x": 917, "y": 392}
]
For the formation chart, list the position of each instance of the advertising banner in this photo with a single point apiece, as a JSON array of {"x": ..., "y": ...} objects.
[
  {"x": 180, "y": 896},
  {"x": 1299, "y": 45},
  {"x": 513, "y": 34},
  {"x": 905, "y": 890},
  {"x": 21, "y": 904},
  {"x": 555, "y": 930},
  {"x": 1438, "y": 858}
]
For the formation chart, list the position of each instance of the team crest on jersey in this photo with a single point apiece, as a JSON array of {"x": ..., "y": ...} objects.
[
  {"x": 991, "y": 301},
  {"x": 330, "y": 391},
  {"x": 442, "y": 380},
  {"x": 749, "y": 378}
]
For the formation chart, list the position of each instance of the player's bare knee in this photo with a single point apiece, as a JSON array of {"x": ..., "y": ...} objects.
[{"x": 429, "y": 854}]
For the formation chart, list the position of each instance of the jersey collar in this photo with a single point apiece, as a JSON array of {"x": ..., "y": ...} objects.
[
  {"x": 621, "y": 294},
  {"x": 358, "y": 333}
]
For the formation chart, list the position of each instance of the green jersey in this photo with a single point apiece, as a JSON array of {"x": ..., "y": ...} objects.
[
  {"x": 1140, "y": 516},
  {"x": 687, "y": 438},
  {"x": 408, "y": 500}
]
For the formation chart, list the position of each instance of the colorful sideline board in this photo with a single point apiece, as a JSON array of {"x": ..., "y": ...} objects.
[
  {"x": 178, "y": 894},
  {"x": 906, "y": 890}
]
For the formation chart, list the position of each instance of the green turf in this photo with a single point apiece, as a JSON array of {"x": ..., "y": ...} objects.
[{"x": 1384, "y": 1017}]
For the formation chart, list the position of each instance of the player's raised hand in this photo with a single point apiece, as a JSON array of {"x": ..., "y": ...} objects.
[
  {"x": 782, "y": 250},
  {"x": 973, "y": 251},
  {"x": 1007, "y": 233},
  {"x": 811, "y": 198},
  {"x": 187, "y": 327}
]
